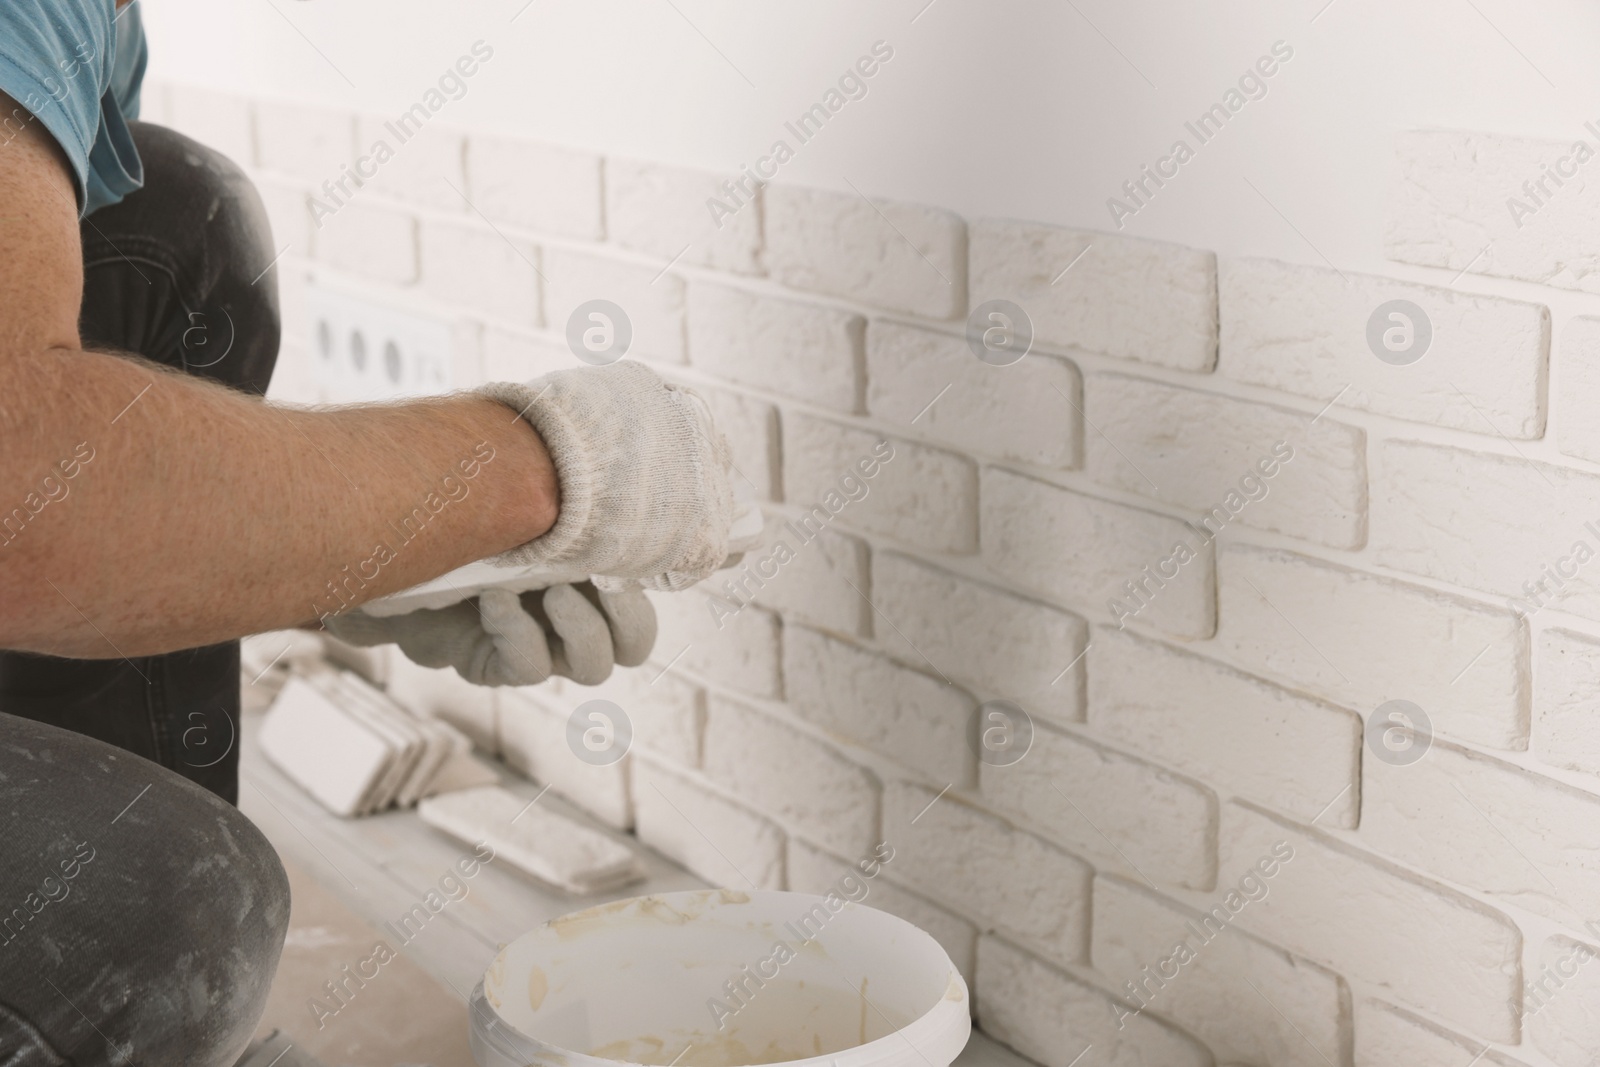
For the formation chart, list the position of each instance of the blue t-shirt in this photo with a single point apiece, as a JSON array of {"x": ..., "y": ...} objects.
[{"x": 76, "y": 66}]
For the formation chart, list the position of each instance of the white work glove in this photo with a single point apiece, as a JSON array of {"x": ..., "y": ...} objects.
[
  {"x": 505, "y": 638},
  {"x": 644, "y": 476}
]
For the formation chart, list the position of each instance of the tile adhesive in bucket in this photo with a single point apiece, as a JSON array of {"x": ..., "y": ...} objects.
[{"x": 721, "y": 978}]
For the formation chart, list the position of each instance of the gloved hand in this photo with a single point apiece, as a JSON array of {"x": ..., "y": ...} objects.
[
  {"x": 505, "y": 638},
  {"x": 644, "y": 476}
]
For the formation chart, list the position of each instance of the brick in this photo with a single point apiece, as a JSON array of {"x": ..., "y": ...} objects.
[
  {"x": 1127, "y": 297},
  {"x": 926, "y": 497},
  {"x": 1361, "y": 639},
  {"x": 444, "y": 694},
  {"x": 667, "y": 713},
  {"x": 1386, "y": 1036},
  {"x": 1294, "y": 753},
  {"x": 811, "y": 870},
  {"x": 999, "y": 644},
  {"x": 1028, "y": 524},
  {"x": 1211, "y": 454},
  {"x": 821, "y": 581},
  {"x": 804, "y": 784},
  {"x": 424, "y": 169},
  {"x": 721, "y": 841},
  {"x": 745, "y": 653},
  {"x": 652, "y": 301},
  {"x": 1563, "y": 1015},
  {"x": 1125, "y": 813},
  {"x": 1456, "y": 814},
  {"x": 1577, "y": 433},
  {"x": 534, "y": 742},
  {"x": 1024, "y": 412},
  {"x": 1566, "y": 690},
  {"x": 894, "y": 255},
  {"x": 511, "y": 356},
  {"x": 289, "y": 214},
  {"x": 221, "y": 121},
  {"x": 473, "y": 267},
  {"x": 799, "y": 350},
  {"x": 371, "y": 240},
  {"x": 1488, "y": 522},
  {"x": 1452, "y": 207},
  {"x": 311, "y": 143},
  {"x": 537, "y": 186},
  {"x": 909, "y": 716},
  {"x": 1208, "y": 990},
  {"x": 466, "y": 354},
  {"x": 1451, "y": 957},
  {"x": 662, "y": 210},
  {"x": 951, "y": 851},
  {"x": 750, "y": 426},
  {"x": 1304, "y": 330},
  {"x": 1052, "y": 1017}
]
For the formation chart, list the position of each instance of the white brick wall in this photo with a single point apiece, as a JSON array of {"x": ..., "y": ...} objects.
[
  {"x": 1516, "y": 837},
  {"x": 1304, "y": 330},
  {"x": 372, "y": 240},
  {"x": 534, "y": 742},
  {"x": 662, "y": 210},
  {"x": 653, "y": 302},
  {"x": 1053, "y": 1017},
  {"x": 1126, "y": 814},
  {"x": 1126, "y": 297},
  {"x": 913, "y": 716},
  {"x": 312, "y": 144},
  {"x": 1027, "y": 651},
  {"x": 1301, "y": 1025},
  {"x": 1302, "y": 755},
  {"x": 1227, "y": 716},
  {"x": 1451, "y": 208},
  {"x": 978, "y": 864},
  {"x": 1226, "y": 459},
  {"x": 1566, "y": 732},
  {"x": 1451, "y": 956},
  {"x": 718, "y": 839},
  {"x": 903, "y": 257},
  {"x": 427, "y": 168},
  {"x": 1387, "y": 1035},
  {"x": 469, "y": 265},
  {"x": 536, "y": 186},
  {"x": 924, "y": 496},
  {"x": 1578, "y": 355},
  {"x": 1567, "y": 1025},
  {"x": 1027, "y": 524},
  {"x": 811, "y": 870},
  {"x": 1026, "y": 412},
  {"x": 1488, "y": 522},
  {"x": 800, "y": 350},
  {"x": 798, "y": 780},
  {"x": 1359, "y": 640}
]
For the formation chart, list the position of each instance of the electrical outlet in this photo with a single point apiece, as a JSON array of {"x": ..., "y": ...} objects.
[{"x": 364, "y": 349}]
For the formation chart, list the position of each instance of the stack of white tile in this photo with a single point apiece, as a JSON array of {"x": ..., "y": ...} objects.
[
  {"x": 357, "y": 751},
  {"x": 551, "y": 847}
]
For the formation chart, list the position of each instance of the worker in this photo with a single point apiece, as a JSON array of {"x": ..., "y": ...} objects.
[{"x": 154, "y": 508}]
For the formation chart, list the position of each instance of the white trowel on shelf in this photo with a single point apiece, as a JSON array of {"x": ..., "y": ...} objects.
[{"x": 463, "y": 583}]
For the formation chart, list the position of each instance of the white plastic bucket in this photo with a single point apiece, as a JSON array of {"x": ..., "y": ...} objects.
[{"x": 721, "y": 978}]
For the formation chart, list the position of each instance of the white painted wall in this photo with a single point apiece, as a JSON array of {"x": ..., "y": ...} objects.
[{"x": 1006, "y": 107}]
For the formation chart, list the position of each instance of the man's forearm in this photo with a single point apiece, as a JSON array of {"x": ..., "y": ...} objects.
[{"x": 143, "y": 511}]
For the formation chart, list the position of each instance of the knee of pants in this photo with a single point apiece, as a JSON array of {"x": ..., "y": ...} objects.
[
  {"x": 207, "y": 214},
  {"x": 155, "y": 911}
]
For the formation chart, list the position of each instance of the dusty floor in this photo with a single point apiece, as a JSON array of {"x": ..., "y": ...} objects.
[{"x": 401, "y": 1017}]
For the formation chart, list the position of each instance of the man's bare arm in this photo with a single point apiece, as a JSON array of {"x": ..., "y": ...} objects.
[{"x": 203, "y": 514}]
